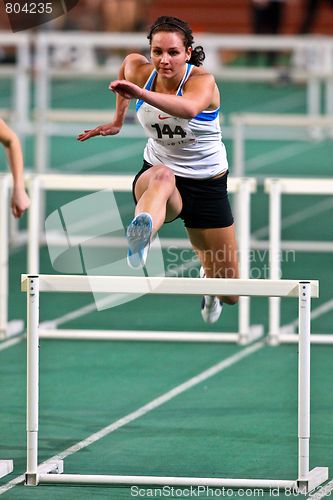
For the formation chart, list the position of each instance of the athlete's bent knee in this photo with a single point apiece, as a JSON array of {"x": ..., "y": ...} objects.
[{"x": 165, "y": 175}]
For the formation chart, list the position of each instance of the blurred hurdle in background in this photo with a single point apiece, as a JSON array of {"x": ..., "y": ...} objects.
[
  {"x": 275, "y": 189},
  {"x": 315, "y": 72}
]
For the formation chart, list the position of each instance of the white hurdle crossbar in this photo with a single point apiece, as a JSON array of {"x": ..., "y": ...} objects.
[
  {"x": 242, "y": 187},
  {"x": 275, "y": 187},
  {"x": 304, "y": 290}
]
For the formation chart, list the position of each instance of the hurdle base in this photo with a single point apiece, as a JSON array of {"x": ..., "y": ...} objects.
[
  {"x": 314, "y": 478},
  {"x": 165, "y": 480},
  {"x": 137, "y": 335},
  {"x": 13, "y": 328},
  {"x": 6, "y": 467},
  {"x": 292, "y": 338},
  {"x": 254, "y": 333},
  {"x": 53, "y": 467}
]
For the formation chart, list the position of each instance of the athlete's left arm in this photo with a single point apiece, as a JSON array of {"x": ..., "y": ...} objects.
[{"x": 197, "y": 96}]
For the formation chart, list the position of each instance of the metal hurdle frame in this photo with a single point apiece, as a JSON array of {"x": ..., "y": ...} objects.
[
  {"x": 33, "y": 285},
  {"x": 275, "y": 187},
  {"x": 54, "y": 182}
]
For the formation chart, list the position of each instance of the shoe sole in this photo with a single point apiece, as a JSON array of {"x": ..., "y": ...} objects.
[{"x": 138, "y": 236}]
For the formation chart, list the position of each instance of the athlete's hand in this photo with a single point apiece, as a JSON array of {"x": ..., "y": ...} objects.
[
  {"x": 107, "y": 129},
  {"x": 126, "y": 89},
  {"x": 20, "y": 201}
]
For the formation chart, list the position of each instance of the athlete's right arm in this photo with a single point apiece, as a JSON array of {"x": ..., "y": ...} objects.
[{"x": 133, "y": 66}]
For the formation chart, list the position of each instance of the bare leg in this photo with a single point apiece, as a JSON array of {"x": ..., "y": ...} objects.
[
  {"x": 157, "y": 195},
  {"x": 217, "y": 251}
]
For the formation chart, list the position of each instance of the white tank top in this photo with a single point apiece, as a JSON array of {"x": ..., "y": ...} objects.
[{"x": 191, "y": 148}]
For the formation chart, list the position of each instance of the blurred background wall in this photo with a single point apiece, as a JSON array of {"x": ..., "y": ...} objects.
[
  {"x": 234, "y": 16},
  {"x": 219, "y": 16}
]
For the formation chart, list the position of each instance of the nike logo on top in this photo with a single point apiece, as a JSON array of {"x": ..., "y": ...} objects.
[{"x": 163, "y": 117}]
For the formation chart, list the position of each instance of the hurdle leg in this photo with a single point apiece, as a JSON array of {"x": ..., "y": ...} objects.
[
  {"x": 247, "y": 332},
  {"x": 238, "y": 147},
  {"x": 33, "y": 225},
  {"x": 274, "y": 260},
  {"x": 32, "y": 379},
  {"x": 56, "y": 467},
  {"x": 307, "y": 480}
]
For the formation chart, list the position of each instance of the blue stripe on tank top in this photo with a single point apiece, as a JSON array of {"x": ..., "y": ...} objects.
[
  {"x": 188, "y": 69},
  {"x": 207, "y": 116},
  {"x": 204, "y": 116},
  {"x": 139, "y": 102}
]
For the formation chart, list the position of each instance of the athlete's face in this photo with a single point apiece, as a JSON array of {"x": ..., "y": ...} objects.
[{"x": 168, "y": 53}]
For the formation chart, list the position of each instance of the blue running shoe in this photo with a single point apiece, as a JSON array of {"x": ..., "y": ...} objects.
[{"x": 138, "y": 236}]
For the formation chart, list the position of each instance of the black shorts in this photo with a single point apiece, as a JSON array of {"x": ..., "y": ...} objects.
[{"x": 205, "y": 201}]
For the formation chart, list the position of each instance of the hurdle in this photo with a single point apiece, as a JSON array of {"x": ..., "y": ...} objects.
[
  {"x": 276, "y": 187},
  {"x": 242, "y": 187},
  {"x": 33, "y": 285}
]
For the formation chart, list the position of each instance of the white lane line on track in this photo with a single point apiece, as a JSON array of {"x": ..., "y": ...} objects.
[
  {"x": 323, "y": 491},
  {"x": 143, "y": 410},
  {"x": 9, "y": 343}
]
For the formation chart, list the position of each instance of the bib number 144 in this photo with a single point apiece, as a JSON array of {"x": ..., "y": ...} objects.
[{"x": 166, "y": 130}]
